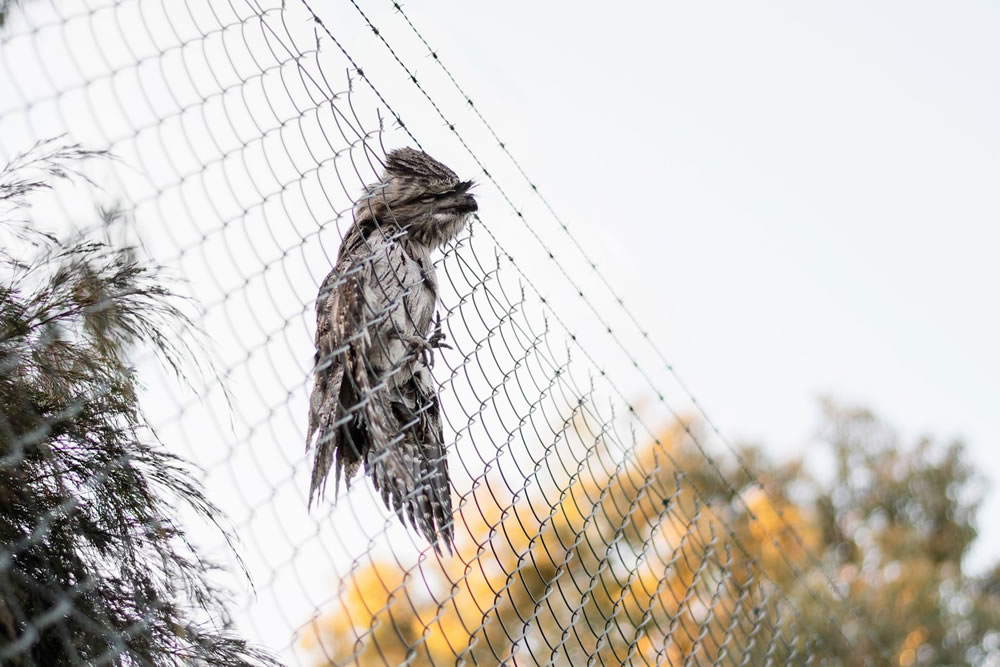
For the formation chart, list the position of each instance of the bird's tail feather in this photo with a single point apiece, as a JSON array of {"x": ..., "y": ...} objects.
[
  {"x": 390, "y": 464},
  {"x": 428, "y": 501},
  {"x": 437, "y": 514}
]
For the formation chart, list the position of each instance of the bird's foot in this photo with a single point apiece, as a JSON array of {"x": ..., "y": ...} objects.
[
  {"x": 426, "y": 346},
  {"x": 423, "y": 347}
]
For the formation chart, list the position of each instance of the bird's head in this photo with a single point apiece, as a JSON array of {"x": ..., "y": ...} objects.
[{"x": 419, "y": 194}]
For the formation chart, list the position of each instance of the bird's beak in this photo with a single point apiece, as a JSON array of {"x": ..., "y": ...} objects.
[{"x": 469, "y": 205}]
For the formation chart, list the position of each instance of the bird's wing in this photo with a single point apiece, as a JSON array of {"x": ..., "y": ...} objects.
[
  {"x": 339, "y": 328},
  {"x": 359, "y": 361}
]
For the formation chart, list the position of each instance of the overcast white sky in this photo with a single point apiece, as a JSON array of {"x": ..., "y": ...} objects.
[
  {"x": 794, "y": 200},
  {"x": 799, "y": 199}
]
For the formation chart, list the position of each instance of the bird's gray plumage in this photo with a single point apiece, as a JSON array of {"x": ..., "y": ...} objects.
[{"x": 374, "y": 401}]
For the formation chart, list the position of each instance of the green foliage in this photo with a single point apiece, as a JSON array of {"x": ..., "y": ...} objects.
[
  {"x": 898, "y": 523},
  {"x": 94, "y": 566}
]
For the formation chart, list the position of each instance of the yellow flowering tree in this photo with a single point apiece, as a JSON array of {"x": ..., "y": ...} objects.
[{"x": 654, "y": 555}]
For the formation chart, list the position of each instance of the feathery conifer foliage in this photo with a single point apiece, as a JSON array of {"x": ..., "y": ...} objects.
[{"x": 95, "y": 567}]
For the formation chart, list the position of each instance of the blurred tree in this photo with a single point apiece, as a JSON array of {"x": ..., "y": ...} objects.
[
  {"x": 657, "y": 556},
  {"x": 94, "y": 566}
]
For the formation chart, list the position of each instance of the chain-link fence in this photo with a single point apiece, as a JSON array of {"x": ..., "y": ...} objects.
[{"x": 243, "y": 135}]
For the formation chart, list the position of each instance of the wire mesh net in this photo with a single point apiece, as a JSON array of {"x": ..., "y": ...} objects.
[{"x": 244, "y": 134}]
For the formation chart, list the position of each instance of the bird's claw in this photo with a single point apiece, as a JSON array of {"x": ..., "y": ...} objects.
[
  {"x": 431, "y": 343},
  {"x": 437, "y": 339}
]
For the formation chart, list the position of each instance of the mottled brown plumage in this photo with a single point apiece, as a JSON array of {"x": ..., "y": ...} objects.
[{"x": 374, "y": 400}]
